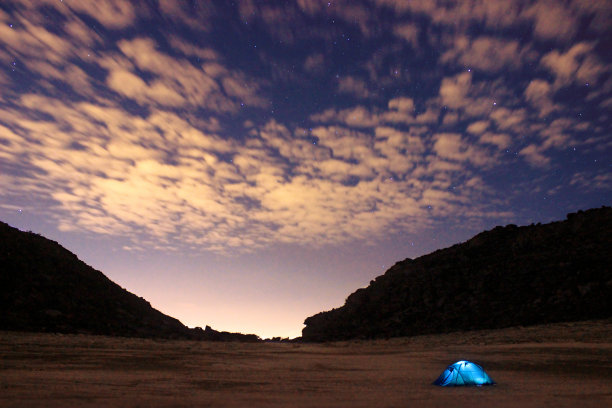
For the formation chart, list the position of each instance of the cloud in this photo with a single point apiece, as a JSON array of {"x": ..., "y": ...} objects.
[
  {"x": 358, "y": 116},
  {"x": 491, "y": 13},
  {"x": 487, "y": 53},
  {"x": 178, "y": 82},
  {"x": 112, "y": 14},
  {"x": 354, "y": 86},
  {"x": 344, "y": 143},
  {"x": 478, "y": 127},
  {"x": 502, "y": 141},
  {"x": 403, "y": 150},
  {"x": 599, "y": 13},
  {"x": 454, "y": 90},
  {"x": 402, "y": 104},
  {"x": 514, "y": 120},
  {"x": 539, "y": 94},
  {"x": 400, "y": 111},
  {"x": 575, "y": 65},
  {"x": 346, "y": 10},
  {"x": 196, "y": 16},
  {"x": 170, "y": 81},
  {"x": 193, "y": 50},
  {"x": 556, "y": 134},
  {"x": 588, "y": 182},
  {"x": 314, "y": 63},
  {"x": 533, "y": 155},
  {"x": 275, "y": 18},
  {"x": 286, "y": 21},
  {"x": 454, "y": 147},
  {"x": 553, "y": 20},
  {"x": 81, "y": 33},
  {"x": 114, "y": 172},
  {"x": 132, "y": 86},
  {"x": 31, "y": 40},
  {"x": 550, "y": 20},
  {"x": 409, "y": 33},
  {"x": 139, "y": 178},
  {"x": 167, "y": 140}
]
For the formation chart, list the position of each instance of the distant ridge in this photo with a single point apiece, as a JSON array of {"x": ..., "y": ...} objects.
[
  {"x": 46, "y": 288},
  {"x": 508, "y": 276}
]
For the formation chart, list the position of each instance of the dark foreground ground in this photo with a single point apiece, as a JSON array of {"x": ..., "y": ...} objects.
[{"x": 563, "y": 365}]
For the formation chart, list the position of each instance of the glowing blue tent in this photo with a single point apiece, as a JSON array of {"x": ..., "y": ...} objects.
[{"x": 463, "y": 373}]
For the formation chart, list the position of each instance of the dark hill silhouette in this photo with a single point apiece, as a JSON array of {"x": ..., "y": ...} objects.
[
  {"x": 508, "y": 276},
  {"x": 44, "y": 287}
]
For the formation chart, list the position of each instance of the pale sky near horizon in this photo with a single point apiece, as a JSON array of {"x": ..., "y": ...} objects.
[{"x": 247, "y": 164}]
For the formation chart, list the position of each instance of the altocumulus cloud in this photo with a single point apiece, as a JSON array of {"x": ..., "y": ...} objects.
[{"x": 122, "y": 132}]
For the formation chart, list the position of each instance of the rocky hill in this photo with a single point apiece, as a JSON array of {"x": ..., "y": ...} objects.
[
  {"x": 508, "y": 276},
  {"x": 44, "y": 287}
]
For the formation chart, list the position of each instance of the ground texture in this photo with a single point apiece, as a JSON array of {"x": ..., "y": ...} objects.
[{"x": 561, "y": 365}]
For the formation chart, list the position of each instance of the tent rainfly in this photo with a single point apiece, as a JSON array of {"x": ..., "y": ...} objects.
[{"x": 463, "y": 373}]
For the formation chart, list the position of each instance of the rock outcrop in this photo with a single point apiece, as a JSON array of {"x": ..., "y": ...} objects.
[
  {"x": 508, "y": 276},
  {"x": 46, "y": 288}
]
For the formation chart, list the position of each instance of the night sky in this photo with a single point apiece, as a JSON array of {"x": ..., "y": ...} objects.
[{"x": 247, "y": 164}]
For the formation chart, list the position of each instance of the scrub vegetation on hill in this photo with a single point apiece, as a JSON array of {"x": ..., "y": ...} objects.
[
  {"x": 509, "y": 276},
  {"x": 46, "y": 288}
]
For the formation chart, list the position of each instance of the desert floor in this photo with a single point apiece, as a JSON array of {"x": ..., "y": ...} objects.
[{"x": 561, "y": 365}]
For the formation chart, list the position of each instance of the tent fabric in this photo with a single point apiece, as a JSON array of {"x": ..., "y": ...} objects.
[{"x": 463, "y": 373}]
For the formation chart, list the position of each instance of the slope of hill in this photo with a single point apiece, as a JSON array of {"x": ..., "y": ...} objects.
[
  {"x": 45, "y": 287},
  {"x": 508, "y": 276}
]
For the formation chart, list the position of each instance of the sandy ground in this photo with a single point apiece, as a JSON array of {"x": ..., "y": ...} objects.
[{"x": 563, "y": 365}]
